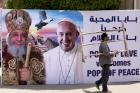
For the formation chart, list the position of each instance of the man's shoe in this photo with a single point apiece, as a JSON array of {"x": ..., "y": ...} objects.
[
  {"x": 105, "y": 91},
  {"x": 97, "y": 85}
]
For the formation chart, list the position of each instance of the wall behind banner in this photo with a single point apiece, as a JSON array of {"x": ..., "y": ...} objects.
[{"x": 125, "y": 68}]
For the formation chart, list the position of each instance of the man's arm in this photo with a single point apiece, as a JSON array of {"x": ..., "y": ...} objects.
[{"x": 106, "y": 52}]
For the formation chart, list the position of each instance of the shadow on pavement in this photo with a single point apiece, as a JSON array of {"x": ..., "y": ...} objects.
[
  {"x": 61, "y": 87},
  {"x": 96, "y": 91},
  {"x": 49, "y": 87}
]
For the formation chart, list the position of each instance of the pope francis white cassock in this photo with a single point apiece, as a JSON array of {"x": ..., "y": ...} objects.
[{"x": 64, "y": 63}]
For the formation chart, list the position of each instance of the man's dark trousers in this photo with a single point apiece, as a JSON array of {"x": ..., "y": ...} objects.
[{"x": 105, "y": 77}]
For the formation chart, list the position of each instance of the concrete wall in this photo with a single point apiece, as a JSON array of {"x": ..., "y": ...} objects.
[
  {"x": 127, "y": 4},
  {"x": 138, "y": 4},
  {"x": 2, "y": 3}
]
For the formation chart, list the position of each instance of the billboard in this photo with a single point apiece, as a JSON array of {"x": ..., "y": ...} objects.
[{"x": 68, "y": 57}]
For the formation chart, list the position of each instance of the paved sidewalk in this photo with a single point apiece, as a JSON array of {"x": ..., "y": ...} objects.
[{"x": 132, "y": 87}]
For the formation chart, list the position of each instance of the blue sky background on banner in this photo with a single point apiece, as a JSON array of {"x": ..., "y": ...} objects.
[{"x": 57, "y": 15}]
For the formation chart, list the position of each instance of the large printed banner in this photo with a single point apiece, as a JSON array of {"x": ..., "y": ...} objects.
[
  {"x": 49, "y": 63},
  {"x": 125, "y": 67}
]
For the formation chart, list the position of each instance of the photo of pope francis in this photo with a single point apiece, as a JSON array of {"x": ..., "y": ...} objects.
[{"x": 64, "y": 63}]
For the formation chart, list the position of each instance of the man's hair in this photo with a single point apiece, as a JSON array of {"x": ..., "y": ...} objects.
[{"x": 103, "y": 36}]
